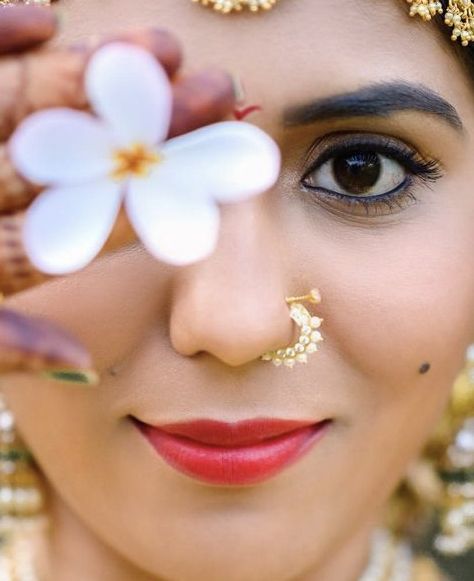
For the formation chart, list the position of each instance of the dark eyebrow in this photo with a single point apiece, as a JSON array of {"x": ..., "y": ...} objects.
[{"x": 378, "y": 100}]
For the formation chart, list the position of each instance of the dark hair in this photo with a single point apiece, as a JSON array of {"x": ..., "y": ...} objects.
[{"x": 465, "y": 53}]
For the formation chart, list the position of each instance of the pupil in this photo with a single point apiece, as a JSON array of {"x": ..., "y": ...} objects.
[{"x": 358, "y": 172}]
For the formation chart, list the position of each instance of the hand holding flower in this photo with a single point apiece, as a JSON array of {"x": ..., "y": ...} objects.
[
  {"x": 95, "y": 163},
  {"x": 52, "y": 77}
]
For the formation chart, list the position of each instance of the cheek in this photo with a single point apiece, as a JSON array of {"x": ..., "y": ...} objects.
[
  {"x": 108, "y": 306},
  {"x": 395, "y": 296}
]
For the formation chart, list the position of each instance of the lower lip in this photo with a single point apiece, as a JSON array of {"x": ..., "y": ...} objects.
[{"x": 237, "y": 465}]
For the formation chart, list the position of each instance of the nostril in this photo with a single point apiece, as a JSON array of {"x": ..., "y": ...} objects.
[
  {"x": 232, "y": 306},
  {"x": 235, "y": 335}
]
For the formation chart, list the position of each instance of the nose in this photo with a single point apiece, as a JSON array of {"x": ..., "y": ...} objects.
[{"x": 232, "y": 305}]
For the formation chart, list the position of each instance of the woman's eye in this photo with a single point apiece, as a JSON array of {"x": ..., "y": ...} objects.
[
  {"x": 370, "y": 174},
  {"x": 359, "y": 173}
]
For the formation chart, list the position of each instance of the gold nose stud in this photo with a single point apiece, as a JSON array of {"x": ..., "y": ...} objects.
[{"x": 309, "y": 335}]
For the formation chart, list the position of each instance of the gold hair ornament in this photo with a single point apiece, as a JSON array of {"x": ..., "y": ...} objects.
[
  {"x": 309, "y": 335},
  {"x": 459, "y": 15},
  {"x": 227, "y": 6}
]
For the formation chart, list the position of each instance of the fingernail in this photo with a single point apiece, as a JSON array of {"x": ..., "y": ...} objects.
[
  {"x": 74, "y": 376},
  {"x": 238, "y": 88},
  {"x": 60, "y": 17}
]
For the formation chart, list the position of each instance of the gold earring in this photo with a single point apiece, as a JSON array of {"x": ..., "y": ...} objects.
[
  {"x": 309, "y": 335},
  {"x": 22, "y": 503},
  {"x": 456, "y": 469}
]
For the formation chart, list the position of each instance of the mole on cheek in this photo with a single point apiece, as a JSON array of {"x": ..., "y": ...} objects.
[{"x": 424, "y": 368}]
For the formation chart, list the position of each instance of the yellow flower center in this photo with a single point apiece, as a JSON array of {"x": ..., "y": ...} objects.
[{"x": 136, "y": 160}]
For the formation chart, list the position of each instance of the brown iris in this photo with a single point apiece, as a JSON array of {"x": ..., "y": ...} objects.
[{"x": 357, "y": 173}]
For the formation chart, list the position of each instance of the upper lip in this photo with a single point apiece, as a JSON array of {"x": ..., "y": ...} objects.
[{"x": 240, "y": 433}]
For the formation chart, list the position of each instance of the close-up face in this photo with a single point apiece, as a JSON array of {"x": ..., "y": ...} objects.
[{"x": 374, "y": 207}]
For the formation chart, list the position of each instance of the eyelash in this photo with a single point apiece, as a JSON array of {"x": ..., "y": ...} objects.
[{"x": 418, "y": 170}]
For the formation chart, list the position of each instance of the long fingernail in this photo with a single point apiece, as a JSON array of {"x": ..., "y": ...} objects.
[
  {"x": 74, "y": 376},
  {"x": 239, "y": 91},
  {"x": 60, "y": 17}
]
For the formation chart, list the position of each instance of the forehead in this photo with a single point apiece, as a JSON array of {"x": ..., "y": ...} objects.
[{"x": 299, "y": 50}]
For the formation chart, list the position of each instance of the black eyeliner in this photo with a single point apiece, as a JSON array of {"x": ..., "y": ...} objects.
[{"x": 418, "y": 168}]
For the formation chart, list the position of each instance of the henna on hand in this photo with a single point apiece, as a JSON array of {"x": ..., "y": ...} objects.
[
  {"x": 52, "y": 77},
  {"x": 199, "y": 100}
]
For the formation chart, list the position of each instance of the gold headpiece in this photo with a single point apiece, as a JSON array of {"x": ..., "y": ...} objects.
[
  {"x": 459, "y": 16},
  {"x": 226, "y": 6}
]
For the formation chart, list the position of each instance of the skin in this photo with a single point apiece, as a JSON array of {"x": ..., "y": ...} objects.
[{"x": 176, "y": 344}]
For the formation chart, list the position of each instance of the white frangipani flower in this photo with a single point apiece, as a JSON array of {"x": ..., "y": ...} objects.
[{"x": 93, "y": 164}]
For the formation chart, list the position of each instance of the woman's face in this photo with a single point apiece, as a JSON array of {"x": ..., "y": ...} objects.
[{"x": 173, "y": 345}]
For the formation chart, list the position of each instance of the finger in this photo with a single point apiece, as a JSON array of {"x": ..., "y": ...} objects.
[
  {"x": 16, "y": 271},
  {"x": 15, "y": 191},
  {"x": 42, "y": 79},
  {"x": 24, "y": 27},
  {"x": 199, "y": 100},
  {"x": 34, "y": 345},
  {"x": 54, "y": 78},
  {"x": 162, "y": 44}
]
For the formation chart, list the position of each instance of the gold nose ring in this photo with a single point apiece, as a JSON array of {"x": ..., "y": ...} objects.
[{"x": 309, "y": 335}]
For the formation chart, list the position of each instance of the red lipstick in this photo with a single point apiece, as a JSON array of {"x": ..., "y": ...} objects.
[{"x": 240, "y": 453}]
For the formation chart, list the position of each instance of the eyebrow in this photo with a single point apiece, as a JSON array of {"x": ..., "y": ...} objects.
[{"x": 377, "y": 100}]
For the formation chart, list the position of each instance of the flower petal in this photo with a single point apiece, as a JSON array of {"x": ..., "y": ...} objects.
[
  {"x": 61, "y": 146},
  {"x": 231, "y": 161},
  {"x": 130, "y": 90},
  {"x": 174, "y": 226},
  {"x": 65, "y": 228}
]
